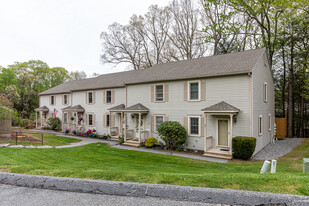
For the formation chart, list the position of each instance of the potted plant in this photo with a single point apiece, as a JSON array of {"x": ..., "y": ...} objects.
[
  {"x": 108, "y": 136},
  {"x": 72, "y": 118},
  {"x": 80, "y": 118},
  {"x": 74, "y": 132},
  {"x": 66, "y": 130}
]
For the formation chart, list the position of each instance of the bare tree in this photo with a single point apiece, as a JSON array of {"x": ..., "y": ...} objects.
[
  {"x": 78, "y": 75},
  {"x": 186, "y": 33}
]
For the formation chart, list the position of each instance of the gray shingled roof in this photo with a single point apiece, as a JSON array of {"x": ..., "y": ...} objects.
[
  {"x": 137, "y": 107},
  {"x": 219, "y": 65},
  {"x": 221, "y": 107},
  {"x": 77, "y": 108},
  {"x": 43, "y": 108},
  {"x": 119, "y": 107}
]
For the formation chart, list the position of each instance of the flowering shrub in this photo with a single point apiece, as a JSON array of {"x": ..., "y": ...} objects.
[
  {"x": 66, "y": 130},
  {"x": 74, "y": 132},
  {"x": 6, "y": 108},
  {"x": 88, "y": 133}
]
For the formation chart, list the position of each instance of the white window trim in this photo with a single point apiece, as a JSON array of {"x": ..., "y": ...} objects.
[
  {"x": 67, "y": 99},
  {"x": 260, "y": 125},
  {"x": 106, "y": 96},
  {"x": 199, "y": 91},
  {"x": 64, "y": 118},
  {"x": 199, "y": 125},
  {"x": 155, "y": 92},
  {"x": 265, "y": 92},
  {"x": 93, "y": 120},
  {"x": 50, "y": 100},
  {"x": 87, "y": 97},
  {"x": 155, "y": 121},
  {"x": 269, "y": 122}
]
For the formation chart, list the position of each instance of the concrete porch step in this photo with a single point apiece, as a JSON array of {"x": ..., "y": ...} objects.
[
  {"x": 217, "y": 155},
  {"x": 131, "y": 143}
]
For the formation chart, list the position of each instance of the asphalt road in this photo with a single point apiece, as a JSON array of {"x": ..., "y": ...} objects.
[{"x": 13, "y": 195}]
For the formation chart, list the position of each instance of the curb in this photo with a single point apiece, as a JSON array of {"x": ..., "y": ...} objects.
[{"x": 179, "y": 193}]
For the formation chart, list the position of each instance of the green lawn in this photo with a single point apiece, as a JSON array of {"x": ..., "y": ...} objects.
[
  {"x": 99, "y": 161},
  {"x": 49, "y": 139}
]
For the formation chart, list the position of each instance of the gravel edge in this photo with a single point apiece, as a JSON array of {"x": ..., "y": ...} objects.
[{"x": 180, "y": 193}]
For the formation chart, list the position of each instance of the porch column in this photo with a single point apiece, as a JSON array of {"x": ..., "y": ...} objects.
[
  {"x": 231, "y": 133},
  {"x": 36, "y": 119},
  {"x": 205, "y": 132},
  {"x": 120, "y": 124},
  {"x": 139, "y": 126},
  {"x": 125, "y": 126},
  {"x": 110, "y": 122},
  {"x": 41, "y": 118}
]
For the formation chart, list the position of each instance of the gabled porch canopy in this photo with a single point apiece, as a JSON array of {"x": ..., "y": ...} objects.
[
  {"x": 118, "y": 108},
  {"x": 42, "y": 109},
  {"x": 222, "y": 108},
  {"x": 136, "y": 108},
  {"x": 77, "y": 108}
]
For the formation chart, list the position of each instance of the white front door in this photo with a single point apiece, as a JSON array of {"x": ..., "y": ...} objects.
[{"x": 223, "y": 132}]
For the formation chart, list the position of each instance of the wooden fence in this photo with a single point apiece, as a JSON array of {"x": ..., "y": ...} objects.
[{"x": 281, "y": 125}]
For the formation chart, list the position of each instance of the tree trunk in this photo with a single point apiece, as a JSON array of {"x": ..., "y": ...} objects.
[
  {"x": 284, "y": 82},
  {"x": 291, "y": 92}
]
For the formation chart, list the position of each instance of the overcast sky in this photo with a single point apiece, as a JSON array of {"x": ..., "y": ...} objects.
[{"x": 63, "y": 33}]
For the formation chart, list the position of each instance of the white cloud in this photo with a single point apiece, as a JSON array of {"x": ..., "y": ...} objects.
[{"x": 62, "y": 32}]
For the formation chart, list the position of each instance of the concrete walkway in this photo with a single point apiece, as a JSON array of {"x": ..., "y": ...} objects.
[{"x": 87, "y": 140}]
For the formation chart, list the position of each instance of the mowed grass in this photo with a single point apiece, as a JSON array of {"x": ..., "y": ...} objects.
[
  {"x": 99, "y": 161},
  {"x": 48, "y": 139}
]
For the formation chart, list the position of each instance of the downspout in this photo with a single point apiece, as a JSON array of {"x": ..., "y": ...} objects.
[{"x": 250, "y": 104}]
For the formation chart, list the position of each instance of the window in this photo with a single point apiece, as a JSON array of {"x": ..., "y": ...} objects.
[
  {"x": 90, "y": 119},
  {"x": 158, "y": 121},
  {"x": 260, "y": 125},
  {"x": 108, "y": 120},
  {"x": 65, "y": 117},
  {"x": 269, "y": 122},
  {"x": 65, "y": 99},
  {"x": 109, "y": 96},
  {"x": 90, "y": 98},
  {"x": 52, "y": 115},
  {"x": 52, "y": 100},
  {"x": 265, "y": 92},
  {"x": 159, "y": 93},
  {"x": 194, "y": 91},
  {"x": 194, "y": 126}
]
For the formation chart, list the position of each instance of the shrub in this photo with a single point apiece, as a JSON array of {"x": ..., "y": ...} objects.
[
  {"x": 24, "y": 122},
  {"x": 172, "y": 133},
  {"x": 121, "y": 140},
  {"x": 243, "y": 147},
  {"x": 150, "y": 142},
  {"x": 53, "y": 122}
]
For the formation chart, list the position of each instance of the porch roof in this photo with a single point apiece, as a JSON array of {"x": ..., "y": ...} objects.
[
  {"x": 221, "y": 107},
  {"x": 118, "y": 108},
  {"x": 137, "y": 108},
  {"x": 42, "y": 109},
  {"x": 76, "y": 108}
]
